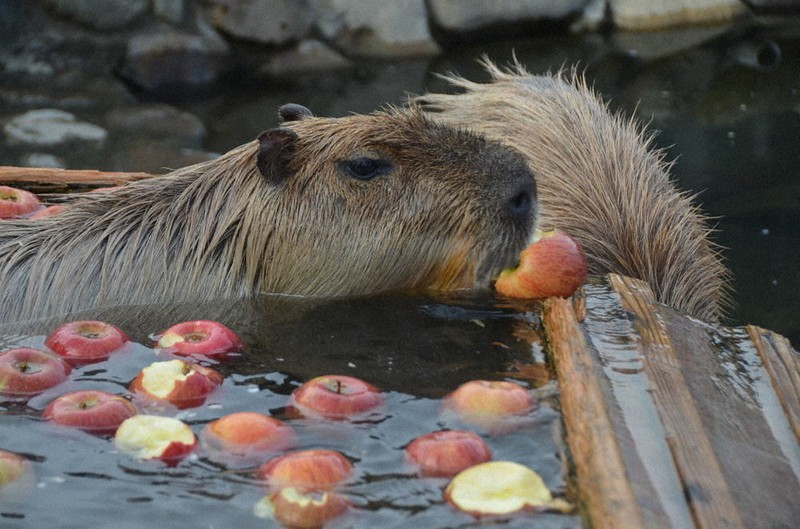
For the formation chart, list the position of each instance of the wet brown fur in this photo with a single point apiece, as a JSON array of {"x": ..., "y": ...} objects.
[
  {"x": 598, "y": 179},
  {"x": 222, "y": 229}
]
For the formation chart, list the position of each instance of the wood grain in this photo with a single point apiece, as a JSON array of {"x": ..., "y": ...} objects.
[{"x": 42, "y": 178}]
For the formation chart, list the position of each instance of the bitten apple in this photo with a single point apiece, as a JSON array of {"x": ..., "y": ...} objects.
[
  {"x": 494, "y": 405},
  {"x": 183, "y": 384},
  {"x": 25, "y": 372},
  {"x": 554, "y": 265},
  {"x": 155, "y": 437},
  {"x": 200, "y": 338},
  {"x": 497, "y": 488},
  {"x": 17, "y": 202},
  {"x": 295, "y": 508},
  {"x": 16, "y": 477},
  {"x": 86, "y": 342},
  {"x": 336, "y": 397},
  {"x": 446, "y": 453},
  {"x": 93, "y": 411},
  {"x": 307, "y": 470},
  {"x": 246, "y": 436}
]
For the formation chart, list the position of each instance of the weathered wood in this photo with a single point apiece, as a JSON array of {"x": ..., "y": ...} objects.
[
  {"x": 603, "y": 484},
  {"x": 45, "y": 179},
  {"x": 710, "y": 500},
  {"x": 783, "y": 366}
]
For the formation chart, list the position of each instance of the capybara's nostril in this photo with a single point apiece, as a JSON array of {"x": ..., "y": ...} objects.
[{"x": 520, "y": 204}]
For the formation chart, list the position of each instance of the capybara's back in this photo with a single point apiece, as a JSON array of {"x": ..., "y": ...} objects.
[
  {"x": 315, "y": 207},
  {"x": 598, "y": 179}
]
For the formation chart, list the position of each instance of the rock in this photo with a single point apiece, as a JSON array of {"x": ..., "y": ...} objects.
[
  {"x": 168, "y": 59},
  {"x": 51, "y": 127},
  {"x": 172, "y": 11},
  {"x": 266, "y": 21},
  {"x": 42, "y": 159},
  {"x": 635, "y": 15},
  {"x": 100, "y": 14},
  {"x": 308, "y": 56},
  {"x": 158, "y": 122},
  {"x": 375, "y": 29},
  {"x": 457, "y": 16}
]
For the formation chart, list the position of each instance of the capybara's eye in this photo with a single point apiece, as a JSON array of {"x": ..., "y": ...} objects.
[{"x": 365, "y": 168}]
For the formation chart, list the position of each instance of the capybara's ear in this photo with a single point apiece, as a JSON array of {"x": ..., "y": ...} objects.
[
  {"x": 293, "y": 112},
  {"x": 275, "y": 151}
]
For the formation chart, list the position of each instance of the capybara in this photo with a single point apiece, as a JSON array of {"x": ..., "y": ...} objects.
[
  {"x": 598, "y": 179},
  {"x": 314, "y": 207}
]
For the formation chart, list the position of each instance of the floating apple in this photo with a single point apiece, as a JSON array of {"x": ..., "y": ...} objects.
[
  {"x": 183, "y": 384},
  {"x": 246, "y": 436},
  {"x": 554, "y": 265},
  {"x": 25, "y": 372},
  {"x": 336, "y": 397},
  {"x": 93, "y": 411},
  {"x": 446, "y": 453},
  {"x": 17, "y": 202},
  {"x": 16, "y": 477},
  {"x": 498, "y": 488},
  {"x": 85, "y": 342},
  {"x": 201, "y": 338},
  {"x": 294, "y": 508},
  {"x": 307, "y": 470},
  {"x": 495, "y": 405},
  {"x": 49, "y": 211},
  {"x": 155, "y": 437}
]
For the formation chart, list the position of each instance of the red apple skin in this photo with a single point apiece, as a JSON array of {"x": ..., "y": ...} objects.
[
  {"x": 49, "y": 211},
  {"x": 493, "y": 405},
  {"x": 247, "y": 435},
  {"x": 297, "y": 509},
  {"x": 336, "y": 397},
  {"x": 200, "y": 382},
  {"x": 446, "y": 453},
  {"x": 17, "y": 202},
  {"x": 92, "y": 411},
  {"x": 12, "y": 467},
  {"x": 86, "y": 342},
  {"x": 555, "y": 265},
  {"x": 203, "y": 339},
  {"x": 25, "y": 372},
  {"x": 307, "y": 470}
]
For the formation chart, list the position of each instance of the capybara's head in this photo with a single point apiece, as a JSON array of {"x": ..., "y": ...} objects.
[{"x": 389, "y": 200}]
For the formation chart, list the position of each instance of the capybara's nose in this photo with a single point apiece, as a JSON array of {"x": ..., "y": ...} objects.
[{"x": 521, "y": 201}]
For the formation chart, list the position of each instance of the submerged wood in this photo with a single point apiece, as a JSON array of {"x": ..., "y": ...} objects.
[{"x": 703, "y": 417}]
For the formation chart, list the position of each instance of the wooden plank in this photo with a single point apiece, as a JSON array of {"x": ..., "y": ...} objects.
[
  {"x": 47, "y": 178},
  {"x": 783, "y": 365},
  {"x": 602, "y": 481},
  {"x": 710, "y": 501}
]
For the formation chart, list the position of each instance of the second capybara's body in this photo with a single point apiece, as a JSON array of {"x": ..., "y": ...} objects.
[
  {"x": 598, "y": 179},
  {"x": 315, "y": 207}
]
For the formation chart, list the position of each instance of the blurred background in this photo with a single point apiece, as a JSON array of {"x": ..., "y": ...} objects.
[{"x": 148, "y": 85}]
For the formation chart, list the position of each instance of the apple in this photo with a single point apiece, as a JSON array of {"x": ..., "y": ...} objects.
[
  {"x": 25, "y": 371},
  {"x": 200, "y": 338},
  {"x": 155, "y": 437},
  {"x": 17, "y": 202},
  {"x": 494, "y": 405},
  {"x": 554, "y": 265},
  {"x": 16, "y": 477},
  {"x": 497, "y": 488},
  {"x": 295, "y": 508},
  {"x": 49, "y": 211},
  {"x": 85, "y": 342},
  {"x": 307, "y": 470},
  {"x": 446, "y": 453},
  {"x": 183, "y": 384},
  {"x": 246, "y": 436},
  {"x": 336, "y": 397},
  {"x": 93, "y": 411}
]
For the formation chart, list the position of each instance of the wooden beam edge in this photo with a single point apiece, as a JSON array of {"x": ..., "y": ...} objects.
[
  {"x": 44, "y": 176},
  {"x": 602, "y": 481},
  {"x": 710, "y": 500},
  {"x": 783, "y": 365}
]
